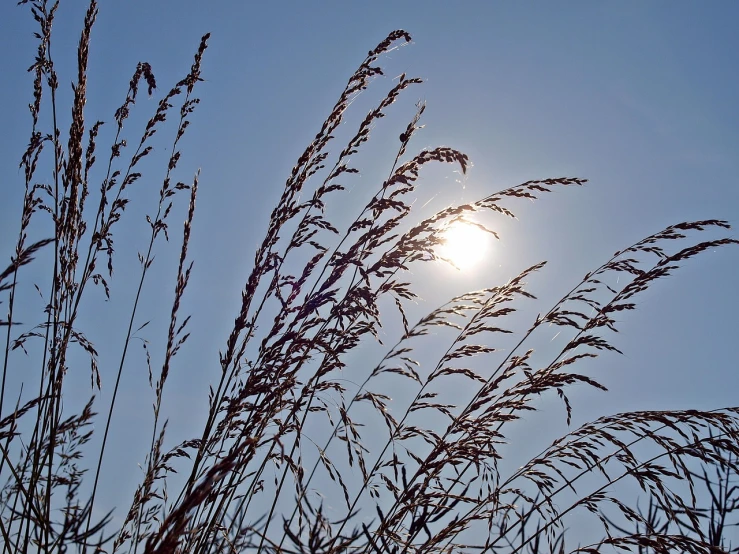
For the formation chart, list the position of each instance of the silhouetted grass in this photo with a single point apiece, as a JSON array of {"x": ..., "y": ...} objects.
[{"x": 431, "y": 478}]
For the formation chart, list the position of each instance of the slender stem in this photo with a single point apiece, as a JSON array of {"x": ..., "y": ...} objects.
[
  {"x": 604, "y": 487},
  {"x": 540, "y": 320},
  {"x": 407, "y": 412}
]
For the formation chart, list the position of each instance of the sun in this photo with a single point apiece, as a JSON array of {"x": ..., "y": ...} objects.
[{"x": 465, "y": 245}]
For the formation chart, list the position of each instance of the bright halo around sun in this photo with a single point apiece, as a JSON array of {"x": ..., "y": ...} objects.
[{"x": 465, "y": 245}]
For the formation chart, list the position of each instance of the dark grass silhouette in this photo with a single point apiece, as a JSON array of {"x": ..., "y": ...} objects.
[{"x": 435, "y": 481}]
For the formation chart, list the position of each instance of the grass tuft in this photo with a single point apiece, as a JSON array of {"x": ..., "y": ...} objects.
[{"x": 428, "y": 475}]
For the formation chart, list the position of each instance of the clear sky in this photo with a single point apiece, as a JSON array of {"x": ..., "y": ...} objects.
[{"x": 638, "y": 97}]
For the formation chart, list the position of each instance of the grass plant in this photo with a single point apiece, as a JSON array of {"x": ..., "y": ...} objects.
[{"x": 429, "y": 476}]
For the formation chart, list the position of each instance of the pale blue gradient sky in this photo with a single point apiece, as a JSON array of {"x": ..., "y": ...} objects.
[{"x": 638, "y": 97}]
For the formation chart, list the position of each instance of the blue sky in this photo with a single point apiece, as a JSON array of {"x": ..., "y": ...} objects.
[{"x": 637, "y": 97}]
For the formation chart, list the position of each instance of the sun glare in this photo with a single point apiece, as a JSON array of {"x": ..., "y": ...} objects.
[{"x": 465, "y": 245}]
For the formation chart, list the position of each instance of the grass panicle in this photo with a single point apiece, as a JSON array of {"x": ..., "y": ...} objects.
[{"x": 300, "y": 451}]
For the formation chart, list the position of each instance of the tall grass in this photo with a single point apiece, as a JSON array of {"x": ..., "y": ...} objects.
[{"x": 377, "y": 476}]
